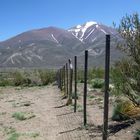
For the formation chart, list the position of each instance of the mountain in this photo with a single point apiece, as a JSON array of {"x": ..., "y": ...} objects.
[
  {"x": 51, "y": 47},
  {"x": 91, "y": 31}
]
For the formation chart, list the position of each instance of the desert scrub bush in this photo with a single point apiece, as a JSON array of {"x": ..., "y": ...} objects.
[
  {"x": 14, "y": 136},
  {"x": 23, "y": 115},
  {"x": 137, "y": 134},
  {"x": 5, "y": 79},
  {"x": 73, "y": 95},
  {"x": 95, "y": 73},
  {"x": 129, "y": 69},
  {"x": 126, "y": 81},
  {"x": 80, "y": 76},
  {"x": 47, "y": 76},
  {"x": 33, "y": 76},
  {"x": 20, "y": 80},
  {"x": 27, "y": 77},
  {"x": 28, "y": 135},
  {"x": 34, "y": 135},
  {"x": 121, "y": 110},
  {"x": 17, "y": 78},
  {"x": 117, "y": 79},
  {"x": 5, "y": 82},
  {"x": 91, "y": 96},
  {"x": 79, "y": 107},
  {"x": 97, "y": 83},
  {"x": 9, "y": 130},
  {"x": 92, "y": 73}
]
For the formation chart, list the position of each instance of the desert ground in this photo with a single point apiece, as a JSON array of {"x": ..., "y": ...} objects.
[{"x": 45, "y": 116}]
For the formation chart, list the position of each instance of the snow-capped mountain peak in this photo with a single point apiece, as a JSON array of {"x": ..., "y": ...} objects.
[
  {"x": 87, "y": 24},
  {"x": 78, "y": 26},
  {"x": 80, "y": 30},
  {"x": 90, "y": 31},
  {"x": 90, "y": 23}
]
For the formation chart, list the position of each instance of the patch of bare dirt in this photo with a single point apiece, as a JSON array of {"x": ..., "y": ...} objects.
[{"x": 51, "y": 119}]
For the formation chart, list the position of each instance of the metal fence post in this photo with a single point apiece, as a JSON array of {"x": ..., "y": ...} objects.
[
  {"x": 85, "y": 87},
  {"x": 64, "y": 80},
  {"x": 106, "y": 96},
  {"x": 67, "y": 80},
  {"x": 61, "y": 73},
  {"x": 75, "y": 83},
  {"x": 57, "y": 78},
  {"x": 60, "y": 79}
]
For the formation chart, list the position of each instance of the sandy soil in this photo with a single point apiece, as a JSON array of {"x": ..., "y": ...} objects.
[{"x": 49, "y": 118}]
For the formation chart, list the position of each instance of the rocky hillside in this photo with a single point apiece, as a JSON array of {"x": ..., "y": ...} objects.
[{"x": 51, "y": 47}]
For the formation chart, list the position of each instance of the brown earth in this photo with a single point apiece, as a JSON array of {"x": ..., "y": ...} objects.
[{"x": 50, "y": 119}]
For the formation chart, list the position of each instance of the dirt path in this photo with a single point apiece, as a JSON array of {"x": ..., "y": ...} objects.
[
  {"x": 46, "y": 117},
  {"x": 50, "y": 121}
]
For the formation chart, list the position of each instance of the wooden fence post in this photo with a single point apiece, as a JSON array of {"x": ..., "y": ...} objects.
[
  {"x": 70, "y": 83},
  {"x": 85, "y": 87},
  {"x": 75, "y": 83},
  {"x": 106, "y": 96}
]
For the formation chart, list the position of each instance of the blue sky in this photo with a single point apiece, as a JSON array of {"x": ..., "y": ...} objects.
[{"x": 17, "y": 16}]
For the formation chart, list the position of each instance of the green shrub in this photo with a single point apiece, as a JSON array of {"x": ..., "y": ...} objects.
[
  {"x": 34, "y": 135},
  {"x": 79, "y": 107},
  {"x": 27, "y": 77},
  {"x": 97, "y": 83},
  {"x": 80, "y": 76},
  {"x": 5, "y": 82},
  {"x": 73, "y": 96},
  {"x": 116, "y": 78},
  {"x": 47, "y": 76},
  {"x": 128, "y": 69},
  {"x": 23, "y": 115},
  {"x": 9, "y": 130},
  {"x": 121, "y": 109},
  {"x": 14, "y": 136},
  {"x": 91, "y": 96},
  {"x": 81, "y": 81},
  {"x": 126, "y": 81},
  {"x": 19, "y": 116},
  {"x": 92, "y": 73},
  {"x": 18, "y": 79},
  {"x": 5, "y": 79},
  {"x": 137, "y": 134},
  {"x": 95, "y": 73}
]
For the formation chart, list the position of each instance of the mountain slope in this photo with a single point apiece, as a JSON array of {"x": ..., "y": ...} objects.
[{"x": 51, "y": 47}]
